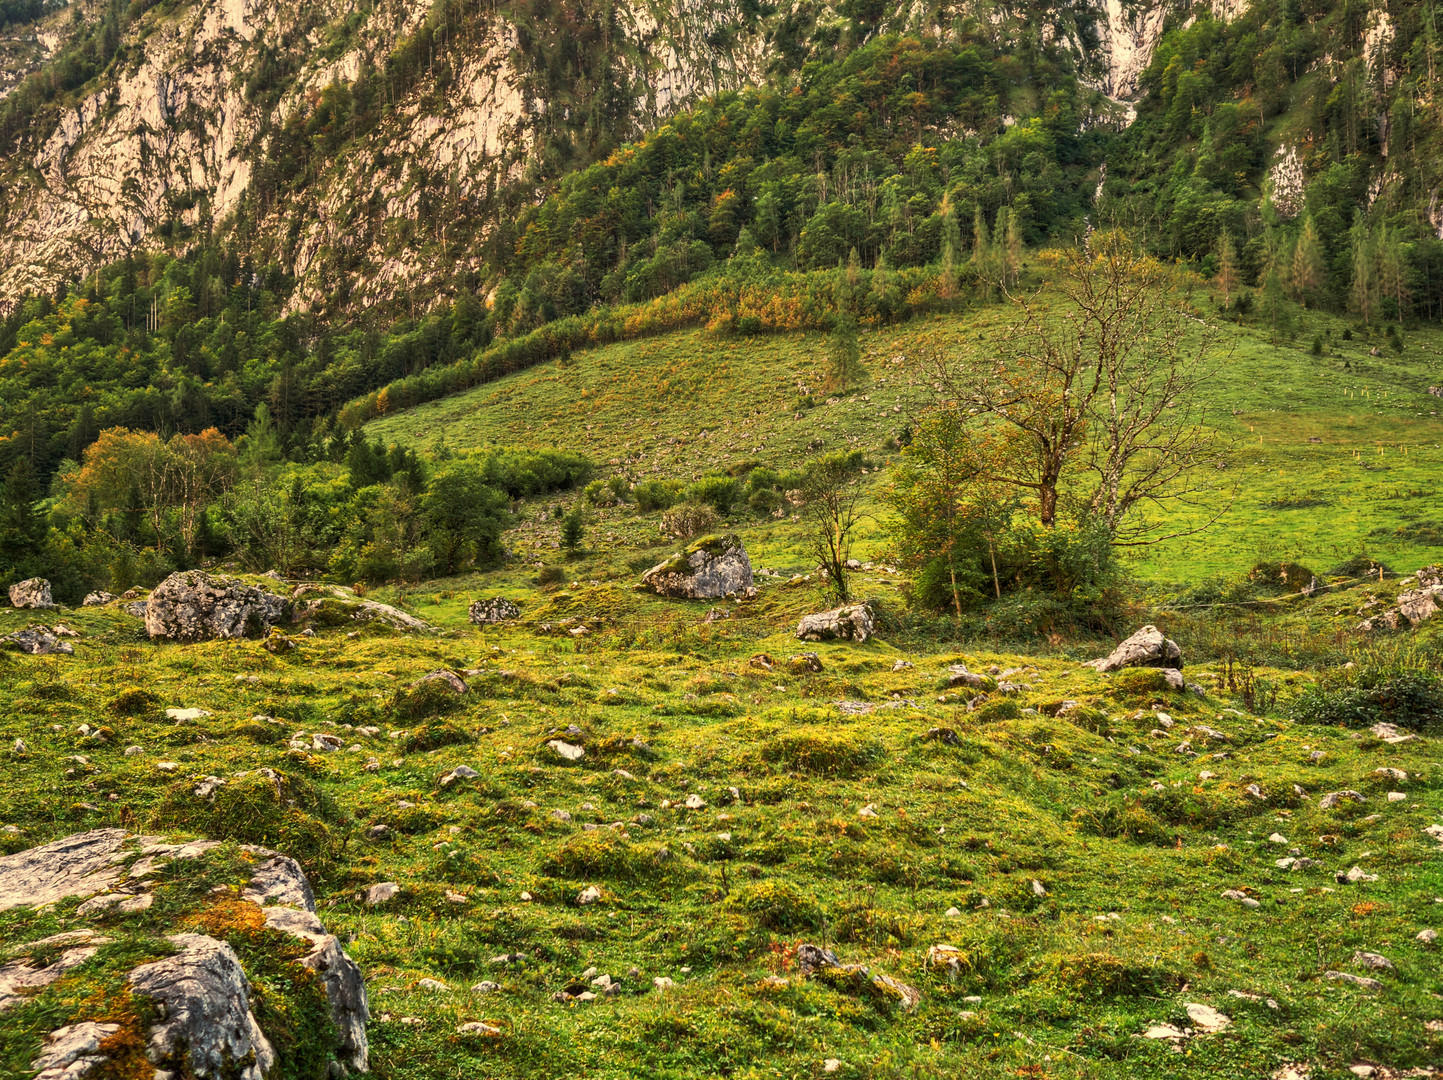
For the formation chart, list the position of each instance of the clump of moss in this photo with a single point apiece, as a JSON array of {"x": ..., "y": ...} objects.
[
  {"x": 602, "y": 853},
  {"x": 430, "y": 697},
  {"x": 262, "y": 807},
  {"x": 776, "y": 905},
  {"x": 435, "y": 735},
  {"x": 823, "y": 753},
  {"x": 1099, "y": 976},
  {"x": 1001, "y": 709},
  {"x": 134, "y": 701}
]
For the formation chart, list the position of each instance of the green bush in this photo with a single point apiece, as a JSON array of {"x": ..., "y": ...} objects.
[
  {"x": 653, "y": 495},
  {"x": 718, "y": 492},
  {"x": 1409, "y": 699}
]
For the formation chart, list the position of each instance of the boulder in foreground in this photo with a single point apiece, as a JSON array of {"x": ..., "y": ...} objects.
[
  {"x": 712, "y": 567},
  {"x": 196, "y": 1003},
  {"x": 1146, "y": 648},
  {"x": 851, "y": 623},
  {"x": 194, "y": 606}
]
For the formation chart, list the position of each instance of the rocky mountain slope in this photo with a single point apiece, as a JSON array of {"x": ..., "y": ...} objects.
[{"x": 365, "y": 150}]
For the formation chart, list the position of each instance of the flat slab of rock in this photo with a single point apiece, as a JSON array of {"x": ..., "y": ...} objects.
[
  {"x": 709, "y": 568},
  {"x": 1149, "y": 647},
  {"x": 80, "y": 865},
  {"x": 38, "y": 641},
  {"x": 851, "y": 623},
  {"x": 194, "y": 606}
]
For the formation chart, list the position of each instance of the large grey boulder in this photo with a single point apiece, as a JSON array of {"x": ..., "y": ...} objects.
[
  {"x": 852, "y": 623},
  {"x": 193, "y": 606},
  {"x": 206, "y": 1026},
  {"x": 1420, "y": 605},
  {"x": 1146, "y": 648},
  {"x": 206, "y": 1021},
  {"x": 34, "y": 593},
  {"x": 497, "y": 609},
  {"x": 709, "y": 568}
]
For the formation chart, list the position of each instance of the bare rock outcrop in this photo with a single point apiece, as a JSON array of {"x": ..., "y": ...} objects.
[
  {"x": 1146, "y": 648},
  {"x": 206, "y": 1026},
  {"x": 34, "y": 593},
  {"x": 712, "y": 567},
  {"x": 851, "y": 623},
  {"x": 194, "y": 606},
  {"x": 495, "y": 610}
]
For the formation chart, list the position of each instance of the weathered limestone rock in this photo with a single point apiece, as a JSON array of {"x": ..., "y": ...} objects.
[
  {"x": 712, "y": 567},
  {"x": 207, "y": 1023},
  {"x": 80, "y": 865},
  {"x": 96, "y": 599},
  {"x": 72, "y": 1051},
  {"x": 193, "y": 606},
  {"x": 497, "y": 609},
  {"x": 34, "y": 593},
  {"x": 448, "y": 679},
  {"x": 851, "y": 623},
  {"x": 819, "y": 963},
  {"x": 206, "y": 1027},
  {"x": 1146, "y": 648},
  {"x": 336, "y": 606},
  {"x": 38, "y": 641}
]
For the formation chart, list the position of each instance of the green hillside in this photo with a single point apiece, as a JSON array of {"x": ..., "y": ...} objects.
[{"x": 689, "y": 404}]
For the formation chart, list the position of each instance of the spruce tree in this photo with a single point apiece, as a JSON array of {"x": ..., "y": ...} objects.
[{"x": 1309, "y": 270}]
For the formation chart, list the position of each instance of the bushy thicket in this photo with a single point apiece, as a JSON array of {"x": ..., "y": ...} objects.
[{"x": 1367, "y": 695}]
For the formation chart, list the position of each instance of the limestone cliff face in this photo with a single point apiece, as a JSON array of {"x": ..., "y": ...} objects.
[{"x": 199, "y": 121}]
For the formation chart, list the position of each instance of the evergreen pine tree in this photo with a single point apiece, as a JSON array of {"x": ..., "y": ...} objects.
[
  {"x": 1227, "y": 277},
  {"x": 951, "y": 248},
  {"x": 1309, "y": 271},
  {"x": 1363, "y": 293}
]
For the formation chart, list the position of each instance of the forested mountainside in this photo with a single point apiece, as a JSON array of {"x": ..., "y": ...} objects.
[
  {"x": 314, "y": 215},
  {"x": 368, "y": 150}
]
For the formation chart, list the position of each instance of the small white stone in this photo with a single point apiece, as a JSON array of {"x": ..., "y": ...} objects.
[{"x": 1396, "y": 796}]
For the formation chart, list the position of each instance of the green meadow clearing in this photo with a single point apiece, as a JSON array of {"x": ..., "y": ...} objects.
[{"x": 1100, "y": 853}]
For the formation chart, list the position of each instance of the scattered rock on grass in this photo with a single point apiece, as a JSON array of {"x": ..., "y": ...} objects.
[
  {"x": 1355, "y": 980},
  {"x": 1333, "y": 798},
  {"x": 381, "y": 893},
  {"x": 851, "y": 623},
  {"x": 39, "y": 641},
  {"x": 569, "y": 751},
  {"x": 495, "y": 610},
  {"x": 194, "y": 606},
  {"x": 708, "y": 569},
  {"x": 1146, "y": 648}
]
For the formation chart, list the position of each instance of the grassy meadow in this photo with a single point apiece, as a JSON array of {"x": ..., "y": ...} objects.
[
  {"x": 688, "y": 404},
  {"x": 1072, "y": 839}
]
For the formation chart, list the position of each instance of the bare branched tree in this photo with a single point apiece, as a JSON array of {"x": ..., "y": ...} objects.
[
  {"x": 833, "y": 511},
  {"x": 1097, "y": 390}
]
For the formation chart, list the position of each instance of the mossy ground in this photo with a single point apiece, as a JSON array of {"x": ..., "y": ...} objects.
[{"x": 1131, "y": 846}]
